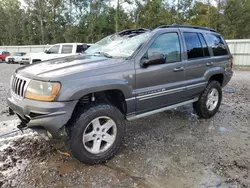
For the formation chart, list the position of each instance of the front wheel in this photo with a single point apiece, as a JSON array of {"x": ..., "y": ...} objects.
[
  {"x": 209, "y": 101},
  {"x": 97, "y": 133}
]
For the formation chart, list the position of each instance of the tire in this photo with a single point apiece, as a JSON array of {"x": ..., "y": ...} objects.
[
  {"x": 207, "y": 111},
  {"x": 83, "y": 123}
]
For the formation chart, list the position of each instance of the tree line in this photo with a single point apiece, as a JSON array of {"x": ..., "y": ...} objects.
[{"x": 29, "y": 22}]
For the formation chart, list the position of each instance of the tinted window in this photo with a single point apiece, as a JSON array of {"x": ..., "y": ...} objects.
[
  {"x": 79, "y": 49},
  {"x": 167, "y": 44},
  {"x": 54, "y": 49},
  {"x": 85, "y": 47},
  {"x": 204, "y": 45},
  {"x": 217, "y": 44},
  {"x": 82, "y": 48},
  {"x": 193, "y": 44},
  {"x": 67, "y": 49}
]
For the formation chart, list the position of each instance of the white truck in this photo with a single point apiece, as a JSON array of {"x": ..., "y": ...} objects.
[{"x": 59, "y": 50}]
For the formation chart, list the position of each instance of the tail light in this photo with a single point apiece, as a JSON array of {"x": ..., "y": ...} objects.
[{"x": 232, "y": 64}]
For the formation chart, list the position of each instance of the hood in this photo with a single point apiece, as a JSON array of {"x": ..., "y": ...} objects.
[{"x": 66, "y": 66}]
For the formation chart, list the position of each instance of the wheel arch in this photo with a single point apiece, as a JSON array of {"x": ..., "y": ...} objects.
[
  {"x": 215, "y": 73},
  {"x": 113, "y": 96},
  {"x": 217, "y": 77}
]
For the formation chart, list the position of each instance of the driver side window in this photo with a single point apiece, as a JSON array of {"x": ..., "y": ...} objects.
[
  {"x": 167, "y": 44},
  {"x": 54, "y": 49}
]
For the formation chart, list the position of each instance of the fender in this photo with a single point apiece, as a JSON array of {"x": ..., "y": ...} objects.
[
  {"x": 213, "y": 71},
  {"x": 83, "y": 88}
]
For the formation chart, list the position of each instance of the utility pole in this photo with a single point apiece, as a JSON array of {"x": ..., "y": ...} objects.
[
  {"x": 117, "y": 16},
  {"x": 41, "y": 20}
]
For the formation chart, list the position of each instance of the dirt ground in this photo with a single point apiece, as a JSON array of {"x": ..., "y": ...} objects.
[{"x": 173, "y": 149}]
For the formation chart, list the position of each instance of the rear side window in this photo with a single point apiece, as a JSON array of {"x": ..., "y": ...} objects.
[
  {"x": 167, "y": 44},
  {"x": 82, "y": 48},
  {"x": 193, "y": 44},
  {"x": 217, "y": 44},
  {"x": 79, "y": 49},
  {"x": 67, "y": 49}
]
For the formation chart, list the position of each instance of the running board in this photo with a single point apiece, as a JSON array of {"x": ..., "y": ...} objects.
[{"x": 133, "y": 117}]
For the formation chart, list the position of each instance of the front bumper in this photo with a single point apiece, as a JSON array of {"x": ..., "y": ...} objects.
[{"x": 51, "y": 116}]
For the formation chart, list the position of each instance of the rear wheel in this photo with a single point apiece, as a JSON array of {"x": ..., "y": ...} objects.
[
  {"x": 209, "y": 101},
  {"x": 97, "y": 133}
]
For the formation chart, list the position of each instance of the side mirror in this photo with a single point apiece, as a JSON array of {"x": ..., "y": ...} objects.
[
  {"x": 154, "y": 59},
  {"x": 46, "y": 51}
]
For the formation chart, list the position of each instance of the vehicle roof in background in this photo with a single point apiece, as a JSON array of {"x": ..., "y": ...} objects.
[{"x": 76, "y": 43}]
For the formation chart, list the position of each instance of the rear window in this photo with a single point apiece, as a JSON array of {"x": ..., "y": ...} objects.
[
  {"x": 67, "y": 49},
  {"x": 217, "y": 44}
]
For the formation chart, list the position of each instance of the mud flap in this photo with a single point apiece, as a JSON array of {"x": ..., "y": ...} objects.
[
  {"x": 11, "y": 112},
  {"x": 21, "y": 126}
]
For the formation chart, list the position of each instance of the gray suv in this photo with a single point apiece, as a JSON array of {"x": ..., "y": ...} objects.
[{"x": 128, "y": 75}]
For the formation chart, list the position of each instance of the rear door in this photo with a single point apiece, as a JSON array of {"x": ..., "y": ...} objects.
[
  {"x": 160, "y": 85},
  {"x": 206, "y": 53},
  {"x": 198, "y": 60}
]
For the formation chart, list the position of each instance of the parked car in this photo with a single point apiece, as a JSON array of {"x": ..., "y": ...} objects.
[
  {"x": 25, "y": 59},
  {"x": 125, "y": 76},
  {"x": 3, "y": 55},
  {"x": 59, "y": 50},
  {"x": 15, "y": 57}
]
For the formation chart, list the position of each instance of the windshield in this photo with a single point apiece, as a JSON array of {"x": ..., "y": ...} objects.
[{"x": 118, "y": 46}]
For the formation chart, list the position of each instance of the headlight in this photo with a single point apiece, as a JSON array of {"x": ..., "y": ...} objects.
[{"x": 42, "y": 91}]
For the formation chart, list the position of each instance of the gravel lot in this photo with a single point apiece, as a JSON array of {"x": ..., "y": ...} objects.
[{"x": 172, "y": 149}]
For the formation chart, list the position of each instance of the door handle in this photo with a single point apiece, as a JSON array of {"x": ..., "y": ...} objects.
[
  {"x": 177, "y": 69},
  {"x": 210, "y": 63}
]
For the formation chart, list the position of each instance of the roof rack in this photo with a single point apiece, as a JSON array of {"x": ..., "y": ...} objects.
[
  {"x": 186, "y": 26},
  {"x": 133, "y": 31}
]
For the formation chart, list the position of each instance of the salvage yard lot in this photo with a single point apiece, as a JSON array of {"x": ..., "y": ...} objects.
[{"x": 170, "y": 149}]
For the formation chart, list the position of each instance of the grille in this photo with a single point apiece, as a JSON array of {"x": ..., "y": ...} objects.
[{"x": 18, "y": 86}]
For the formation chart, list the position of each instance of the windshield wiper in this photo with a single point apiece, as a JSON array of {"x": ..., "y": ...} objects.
[{"x": 105, "y": 54}]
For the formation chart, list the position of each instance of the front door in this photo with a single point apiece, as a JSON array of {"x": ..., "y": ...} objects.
[{"x": 161, "y": 85}]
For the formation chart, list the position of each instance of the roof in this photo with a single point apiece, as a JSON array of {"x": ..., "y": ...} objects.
[{"x": 186, "y": 26}]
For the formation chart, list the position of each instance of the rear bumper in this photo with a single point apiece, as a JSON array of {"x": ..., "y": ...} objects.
[
  {"x": 227, "y": 78},
  {"x": 51, "y": 116}
]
